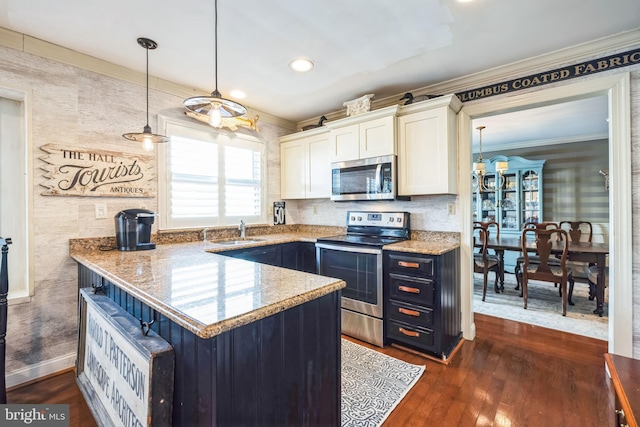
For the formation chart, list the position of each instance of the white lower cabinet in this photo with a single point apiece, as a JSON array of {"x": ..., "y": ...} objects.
[
  {"x": 305, "y": 169},
  {"x": 427, "y": 147}
]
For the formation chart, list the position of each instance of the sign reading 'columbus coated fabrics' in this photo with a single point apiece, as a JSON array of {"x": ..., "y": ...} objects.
[
  {"x": 73, "y": 171},
  {"x": 599, "y": 65}
]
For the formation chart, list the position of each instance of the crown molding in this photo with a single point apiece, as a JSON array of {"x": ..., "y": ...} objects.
[{"x": 489, "y": 148}]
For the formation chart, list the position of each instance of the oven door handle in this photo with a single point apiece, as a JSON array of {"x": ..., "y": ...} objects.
[{"x": 349, "y": 248}]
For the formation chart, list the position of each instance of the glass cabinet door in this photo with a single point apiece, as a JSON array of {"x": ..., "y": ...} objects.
[
  {"x": 488, "y": 206},
  {"x": 530, "y": 197},
  {"x": 509, "y": 203}
]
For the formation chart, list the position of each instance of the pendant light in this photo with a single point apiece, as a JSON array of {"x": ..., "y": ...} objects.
[
  {"x": 146, "y": 137},
  {"x": 215, "y": 106},
  {"x": 480, "y": 172}
]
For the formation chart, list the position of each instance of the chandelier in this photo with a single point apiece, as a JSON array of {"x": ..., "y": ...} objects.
[
  {"x": 480, "y": 181},
  {"x": 146, "y": 137},
  {"x": 217, "y": 109}
]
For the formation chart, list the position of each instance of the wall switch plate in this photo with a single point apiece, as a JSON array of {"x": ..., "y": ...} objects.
[
  {"x": 451, "y": 208},
  {"x": 101, "y": 211}
]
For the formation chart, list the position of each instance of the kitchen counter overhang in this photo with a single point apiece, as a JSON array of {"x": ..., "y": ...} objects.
[
  {"x": 244, "y": 335},
  {"x": 205, "y": 293}
]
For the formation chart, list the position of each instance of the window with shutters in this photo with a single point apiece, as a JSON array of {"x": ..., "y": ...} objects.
[{"x": 208, "y": 177}]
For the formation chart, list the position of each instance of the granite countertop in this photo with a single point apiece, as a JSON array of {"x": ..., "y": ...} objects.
[
  {"x": 423, "y": 247},
  {"x": 209, "y": 294},
  {"x": 205, "y": 293},
  {"x": 432, "y": 246}
]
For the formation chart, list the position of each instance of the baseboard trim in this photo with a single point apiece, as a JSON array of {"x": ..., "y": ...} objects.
[{"x": 39, "y": 370}]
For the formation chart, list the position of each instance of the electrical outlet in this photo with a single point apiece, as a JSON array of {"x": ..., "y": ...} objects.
[
  {"x": 101, "y": 210},
  {"x": 315, "y": 209},
  {"x": 451, "y": 207}
]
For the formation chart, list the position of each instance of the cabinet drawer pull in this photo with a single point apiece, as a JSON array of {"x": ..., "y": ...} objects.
[
  {"x": 409, "y": 264},
  {"x": 409, "y": 312},
  {"x": 408, "y": 289},
  {"x": 409, "y": 333}
]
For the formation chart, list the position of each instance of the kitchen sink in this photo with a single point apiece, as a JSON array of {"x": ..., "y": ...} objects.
[{"x": 237, "y": 242}]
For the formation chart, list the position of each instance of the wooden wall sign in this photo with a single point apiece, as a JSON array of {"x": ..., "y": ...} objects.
[
  {"x": 73, "y": 171},
  {"x": 593, "y": 66},
  {"x": 126, "y": 377}
]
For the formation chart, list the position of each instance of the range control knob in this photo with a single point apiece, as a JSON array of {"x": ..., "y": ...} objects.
[
  {"x": 359, "y": 218},
  {"x": 353, "y": 218},
  {"x": 391, "y": 219},
  {"x": 399, "y": 220}
]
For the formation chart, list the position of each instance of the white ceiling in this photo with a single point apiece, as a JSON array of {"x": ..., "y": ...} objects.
[
  {"x": 572, "y": 121},
  {"x": 358, "y": 46}
]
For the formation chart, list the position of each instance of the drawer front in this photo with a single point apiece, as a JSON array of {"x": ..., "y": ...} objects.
[
  {"x": 414, "y": 290},
  {"x": 404, "y": 264},
  {"x": 418, "y": 337},
  {"x": 407, "y": 313}
]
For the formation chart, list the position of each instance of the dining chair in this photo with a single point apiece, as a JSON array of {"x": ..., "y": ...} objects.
[
  {"x": 592, "y": 275},
  {"x": 578, "y": 231},
  {"x": 542, "y": 269},
  {"x": 493, "y": 229},
  {"x": 520, "y": 260},
  {"x": 482, "y": 262}
]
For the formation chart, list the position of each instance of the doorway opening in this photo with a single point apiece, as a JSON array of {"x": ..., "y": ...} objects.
[
  {"x": 554, "y": 153},
  {"x": 616, "y": 89}
]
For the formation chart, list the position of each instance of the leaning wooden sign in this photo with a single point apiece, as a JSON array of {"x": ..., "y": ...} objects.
[
  {"x": 126, "y": 377},
  {"x": 74, "y": 171}
]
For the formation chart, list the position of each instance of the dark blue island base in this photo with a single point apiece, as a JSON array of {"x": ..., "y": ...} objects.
[{"x": 282, "y": 370}]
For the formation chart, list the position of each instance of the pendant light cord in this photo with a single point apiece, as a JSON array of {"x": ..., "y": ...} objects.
[
  {"x": 215, "y": 42},
  {"x": 147, "y": 49}
]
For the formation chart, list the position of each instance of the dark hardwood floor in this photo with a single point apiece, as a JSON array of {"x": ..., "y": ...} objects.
[{"x": 512, "y": 374}]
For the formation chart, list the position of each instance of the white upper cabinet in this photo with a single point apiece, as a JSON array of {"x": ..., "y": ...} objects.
[
  {"x": 305, "y": 168},
  {"x": 427, "y": 147},
  {"x": 370, "y": 134}
]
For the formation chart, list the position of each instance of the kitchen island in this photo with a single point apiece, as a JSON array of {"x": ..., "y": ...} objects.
[{"x": 253, "y": 344}]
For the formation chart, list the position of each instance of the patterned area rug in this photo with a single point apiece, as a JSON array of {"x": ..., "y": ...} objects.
[
  {"x": 372, "y": 384},
  {"x": 544, "y": 307}
]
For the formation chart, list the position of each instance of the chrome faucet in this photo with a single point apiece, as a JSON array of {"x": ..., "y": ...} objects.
[{"x": 243, "y": 229}]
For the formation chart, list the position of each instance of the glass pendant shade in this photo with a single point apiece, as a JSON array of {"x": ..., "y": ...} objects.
[
  {"x": 480, "y": 172},
  {"x": 502, "y": 167},
  {"x": 146, "y": 137},
  {"x": 215, "y": 106},
  {"x": 479, "y": 166}
]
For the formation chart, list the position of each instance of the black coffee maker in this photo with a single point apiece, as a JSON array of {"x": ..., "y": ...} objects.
[{"x": 133, "y": 229}]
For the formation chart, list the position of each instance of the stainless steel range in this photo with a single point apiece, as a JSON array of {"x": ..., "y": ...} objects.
[{"x": 356, "y": 258}]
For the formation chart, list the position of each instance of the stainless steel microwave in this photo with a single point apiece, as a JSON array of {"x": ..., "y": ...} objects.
[{"x": 365, "y": 179}]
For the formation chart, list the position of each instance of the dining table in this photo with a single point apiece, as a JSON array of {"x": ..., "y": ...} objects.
[{"x": 589, "y": 252}]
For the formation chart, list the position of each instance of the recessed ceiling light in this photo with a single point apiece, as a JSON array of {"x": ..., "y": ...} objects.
[
  {"x": 238, "y": 94},
  {"x": 301, "y": 65}
]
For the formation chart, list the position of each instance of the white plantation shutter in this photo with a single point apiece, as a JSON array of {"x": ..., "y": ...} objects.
[
  {"x": 242, "y": 182},
  {"x": 210, "y": 178},
  {"x": 194, "y": 179}
]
